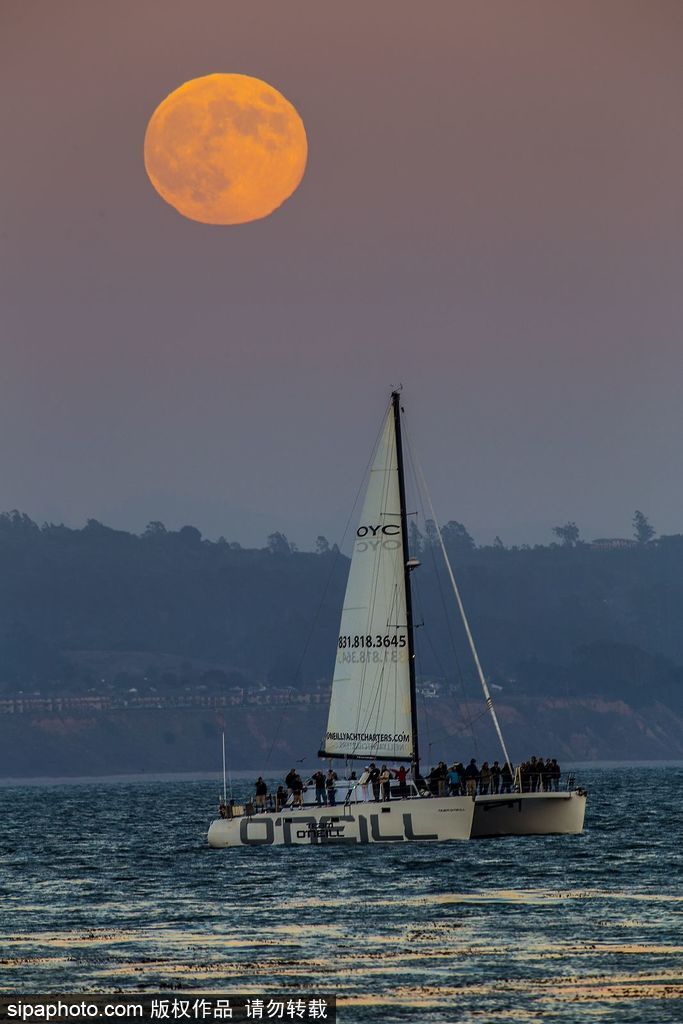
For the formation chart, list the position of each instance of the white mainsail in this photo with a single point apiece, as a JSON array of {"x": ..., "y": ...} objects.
[{"x": 370, "y": 704}]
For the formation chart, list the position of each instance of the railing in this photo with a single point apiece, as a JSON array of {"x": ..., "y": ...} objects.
[
  {"x": 233, "y": 810},
  {"x": 350, "y": 791},
  {"x": 543, "y": 782},
  {"x": 408, "y": 791}
]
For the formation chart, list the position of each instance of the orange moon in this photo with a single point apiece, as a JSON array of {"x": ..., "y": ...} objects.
[{"x": 225, "y": 149}]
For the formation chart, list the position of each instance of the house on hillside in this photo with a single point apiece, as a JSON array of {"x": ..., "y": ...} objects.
[{"x": 613, "y": 543}]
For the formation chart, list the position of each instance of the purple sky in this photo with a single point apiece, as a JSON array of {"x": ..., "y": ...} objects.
[{"x": 491, "y": 214}]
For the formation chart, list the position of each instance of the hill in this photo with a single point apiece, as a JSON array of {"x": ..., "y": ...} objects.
[{"x": 583, "y": 644}]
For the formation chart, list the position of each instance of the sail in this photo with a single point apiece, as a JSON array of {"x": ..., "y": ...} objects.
[{"x": 370, "y": 705}]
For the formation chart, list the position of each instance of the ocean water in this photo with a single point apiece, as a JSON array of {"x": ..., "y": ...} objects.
[{"x": 110, "y": 886}]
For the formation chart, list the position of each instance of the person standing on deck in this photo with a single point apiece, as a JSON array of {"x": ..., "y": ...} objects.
[
  {"x": 374, "y": 781},
  {"x": 524, "y": 784},
  {"x": 330, "y": 787},
  {"x": 401, "y": 774},
  {"x": 535, "y": 765},
  {"x": 363, "y": 783},
  {"x": 495, "y": 777},
  {"x": 385, "y": 781},
  {"x": 471, "y": 778},
  {"x": 261, "y": 790},
  {"x": 289, "y": 780},
  {"x": 318, "y": 780},
  {"x": 555, "y": 774}
]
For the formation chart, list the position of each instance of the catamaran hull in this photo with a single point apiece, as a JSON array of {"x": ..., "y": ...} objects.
[
  {"x": 529, "y": 814},
  {"x": 398, "y": 821}
]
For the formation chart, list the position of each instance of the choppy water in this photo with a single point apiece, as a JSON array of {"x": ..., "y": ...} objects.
[{"x": 111, "y": 886}]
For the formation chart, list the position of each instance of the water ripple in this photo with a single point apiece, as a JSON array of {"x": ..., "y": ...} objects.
[{"x": 112, "y": 886}]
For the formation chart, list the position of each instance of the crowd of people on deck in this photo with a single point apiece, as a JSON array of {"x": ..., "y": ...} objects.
[
  {"x": 532, "y": 776},
  {"x": 539, "y": 776},
  {"x": 535, "y": 775},
  {"x": 458, "y": 780}
]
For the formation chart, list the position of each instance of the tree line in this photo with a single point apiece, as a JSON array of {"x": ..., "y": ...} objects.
[{"x": 564, "y": 619}]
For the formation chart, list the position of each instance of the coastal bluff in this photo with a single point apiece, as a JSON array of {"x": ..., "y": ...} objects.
[{"x": 87, "y": 741}]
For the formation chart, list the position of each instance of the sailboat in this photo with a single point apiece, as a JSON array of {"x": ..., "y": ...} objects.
[{"x": 373, "y": 712}]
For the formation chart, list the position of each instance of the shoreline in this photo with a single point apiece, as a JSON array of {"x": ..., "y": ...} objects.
[{"x": 250, "y": 773}]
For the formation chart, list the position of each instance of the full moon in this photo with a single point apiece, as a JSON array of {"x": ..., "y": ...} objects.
[{"x": 225, "y": 149}]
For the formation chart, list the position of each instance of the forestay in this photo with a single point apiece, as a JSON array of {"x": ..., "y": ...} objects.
[{"x": 370, "y": 705}]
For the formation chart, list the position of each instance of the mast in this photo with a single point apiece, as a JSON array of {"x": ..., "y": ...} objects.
[{"x": 396, "y": 406}]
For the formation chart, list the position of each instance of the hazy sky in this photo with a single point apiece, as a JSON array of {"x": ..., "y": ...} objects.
[{"x": 491, "y": 215}]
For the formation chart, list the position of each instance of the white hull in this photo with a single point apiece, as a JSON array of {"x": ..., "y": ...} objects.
[
  {"x": 397, "y": 821},
  {"x": 529, "y": 814}
]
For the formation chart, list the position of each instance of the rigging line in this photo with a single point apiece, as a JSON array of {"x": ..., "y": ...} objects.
[
  {"x": 465, "y": 622},
  {"x": 427, "y": 725},
  {"x": 445, "y": 737},
  {"x": 466, "y": 718},
  {"x": 460, "y": 679},
  {"x": 436, "y": 569},
  {"x": 417, "y": 652},
  {"x": 391, "y": 675},
  {"x": 333, "y": 567},
  {"x": 482, "y": 714},
  {"x": 443, "y": 734}
]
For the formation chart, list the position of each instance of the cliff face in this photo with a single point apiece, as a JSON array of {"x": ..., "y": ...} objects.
[
  {"x": 268, "y": 738},
  {"x": 572, "y": 729}
]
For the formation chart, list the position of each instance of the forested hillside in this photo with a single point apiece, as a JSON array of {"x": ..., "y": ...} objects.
[{"x": 101, "y": 611}]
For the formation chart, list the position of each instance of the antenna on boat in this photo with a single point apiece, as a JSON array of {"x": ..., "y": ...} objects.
[
  {"x": 221, "y": 721},
  {"x": 225, "y": 793}
]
